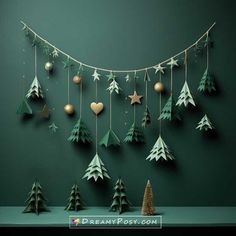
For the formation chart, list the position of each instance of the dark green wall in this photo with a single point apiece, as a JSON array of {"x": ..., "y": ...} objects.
[{"x": 121, "y": 35}]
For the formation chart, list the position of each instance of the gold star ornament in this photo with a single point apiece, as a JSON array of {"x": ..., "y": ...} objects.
[{"x": 135, "y": 98}]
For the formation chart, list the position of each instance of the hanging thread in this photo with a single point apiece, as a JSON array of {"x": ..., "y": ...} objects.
[
  {"x": 81, "y": 97},
  {"x": 186, "y": 65},
  {"x": 160, "y": 98},
  {"x": 68, "y": 85},
  {"x": 207, "y": 38},
  {"x": 110, "y": 111}
]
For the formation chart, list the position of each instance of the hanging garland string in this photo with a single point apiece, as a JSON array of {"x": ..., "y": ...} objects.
[{"x": 28, "y": 29}]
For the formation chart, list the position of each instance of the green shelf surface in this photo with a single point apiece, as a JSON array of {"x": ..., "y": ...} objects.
[{"x": 171, "y": 216}]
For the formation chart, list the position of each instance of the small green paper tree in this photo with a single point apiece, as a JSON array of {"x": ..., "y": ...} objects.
[
  {"x": 110, "y": 139},
  {"x": 24, "y": 108},
  {"x": 207, "y": 83},
  {"x": 74, "y": 201},
  {"x": 160, "y": 151},
  {"x": 80, "y": 133},
  {"x": 169, "y": 111},
  {"x": 35, "y": 89},
  {"x": 96, "y": 169},
  {"x": 120, "y": 203},
  {"x": 146, "y": 121},
  {"x": 185, "y": 96},
  {"x": 135, "y": 134},
  {"x": 36, "y": 201},
  {"x": 205, "y": 124}
]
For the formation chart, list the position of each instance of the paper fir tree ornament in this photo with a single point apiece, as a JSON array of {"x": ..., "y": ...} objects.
[
  {"x": 207, "y": 83},
  {"x": 134, "y": 135},
  {"x": 148, "y": 205},
  {"x": 35, "y": 89},
  {"x": 36, "y": 201},
  {"x": 96, "y": 169},
  {"x": 114, "y": 86},
  {"x": 120, "y": 203},
  {"x": 205, "y": 124},
  {"x": 80, "y": 133},
  {"x": 146, "y": 121},
  {"x": 185, "y": 96},
  {"x": 160, "y": 151},
  {"x": 110, "y": 139},
  {"x": 24, "y": 108},
  {"x": 74, "y": 201},
  {"x": 169, "y": 111}
]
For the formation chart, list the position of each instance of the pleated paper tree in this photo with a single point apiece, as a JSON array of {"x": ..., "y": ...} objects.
[
  {"x": 169, "y": 111},
  {"x": 205, "y": 124},
  {"x": 35, "y": 89},
  {"x": 80, "y": 133},
  {"x": 96, "y": 169},
  {"x": 36, "y": 201},
  {"x": 74, "y": 201},
  {"x": 110, "y": 139},
  {"x": 160, "y": 151},
  {"x": 207, "y": 83},
  {"x": 135, "y": 134},
  {"x": 120, "y": 203},
  {"x": 146, "y": 121},
  {"x": 24, "y": 108},
  {"x": 185, "y": 96},
  {"x": 148, "y": 205}
]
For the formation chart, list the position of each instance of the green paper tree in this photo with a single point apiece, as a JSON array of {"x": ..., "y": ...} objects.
[
  {"x": 53, "y": 128},
  {"x": 80, "y": 133},
  {"x": 96, "y": 169},
  {"x": 207, "y": 83},
  {"x": 160, "y": 151},
  {"x": 114, "y": 86},
  {"x": 146, "y": 121},
  {"x": 205, "y": 124},
  {"x": 185, "y": 96},
  {"x": 169, "y": 111},
  {"x": 135, "y": 134},
  {"x": 74, "y": 201},
  {"x": 24, "y": 108},
  {"x": 110, "y": 139},
  {"x": 35, "y": 89},
  {"x": 120, "y": 203},
  {"x": 36, "y": 201}
]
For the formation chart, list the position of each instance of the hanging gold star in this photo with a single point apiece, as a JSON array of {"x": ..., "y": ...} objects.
[
  {"x": 45, "y": 112},
  {"x": 135, "y": 98}
]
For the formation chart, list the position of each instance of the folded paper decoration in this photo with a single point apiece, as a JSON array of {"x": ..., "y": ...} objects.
[
  {"x": 120, "y": 202},
  {"x": 80, "y": 133},
  {"x": 96, "y": 169},
  {"x": 185, "y": 96},
  {"x": 146, "y": 121},
  {"x": 74, "y": 201},
  {"x": 24, "y": 108},
  {"x": 160, "y": 151},
  {"x": 110, "y": 139},
  {"x": 36, "y": 201},
  {"x": 35, "y": 89},
  {"x": 205, "y": 124},
  {"x": 135, "y": 134},
  {"x": 207, "y": 83}
]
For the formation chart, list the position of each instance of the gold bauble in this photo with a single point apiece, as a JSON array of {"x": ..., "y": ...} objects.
[
  {"x": 69, "y": 109},
  {"x": 77, "y": 79},
  {"x": 159, "y": 87},
  {"x": 48, "y": 66}
]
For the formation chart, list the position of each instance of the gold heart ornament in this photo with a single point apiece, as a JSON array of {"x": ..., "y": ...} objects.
[{"x": 96, "y": 107}]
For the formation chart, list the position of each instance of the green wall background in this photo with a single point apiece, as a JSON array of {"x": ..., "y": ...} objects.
[{"x": 120, "y": 35}]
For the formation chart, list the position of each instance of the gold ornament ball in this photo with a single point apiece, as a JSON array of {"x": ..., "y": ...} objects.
[
  {"x": 48, "y": 66},
  {"x": 159, "y": 87},
  {"x": 77, "y": 79},
  {"x": 69, "y": 109}
]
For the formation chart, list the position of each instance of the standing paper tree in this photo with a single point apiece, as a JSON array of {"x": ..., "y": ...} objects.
[
  {"x": 148, "y": 205},
  {"x": 80, "y": 133},
  {"x": 36, "y": 201},
  {"x": 74, "y": 201},
  {"x": 120, "y": 203},
  {"x": 96, "y": 169},
  {"x": 205, "y": 124}
]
